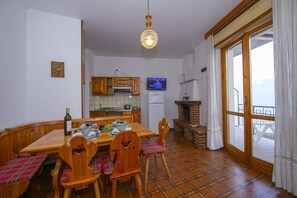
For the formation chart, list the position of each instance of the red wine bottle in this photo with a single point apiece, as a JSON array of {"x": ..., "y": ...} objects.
[{"x": 67, "y": 123}]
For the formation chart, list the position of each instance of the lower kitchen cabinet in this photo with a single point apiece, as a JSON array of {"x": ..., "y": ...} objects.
[
  {"x": 135, "y": 113},
  {"x": 96, "y": 114},
  {"x": 136, "y": 116}
]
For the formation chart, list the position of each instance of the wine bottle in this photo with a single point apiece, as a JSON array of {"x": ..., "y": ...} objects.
[{"x": 67, "y": 123}]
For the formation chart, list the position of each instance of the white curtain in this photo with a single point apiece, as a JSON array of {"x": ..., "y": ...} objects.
[
  {"x": 285, "y": 63},
  {"x": 214, "y": 123}
]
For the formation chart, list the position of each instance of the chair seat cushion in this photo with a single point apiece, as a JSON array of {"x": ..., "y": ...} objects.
[
  {"x": 96, "y": 163},
  {"x": 107, "y": 164},
  {"x": 151, "y": 147},
  {"x": 22, "y": 168}
]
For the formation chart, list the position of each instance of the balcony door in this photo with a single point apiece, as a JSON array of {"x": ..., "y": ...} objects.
[{"x": 248, "y": 97}]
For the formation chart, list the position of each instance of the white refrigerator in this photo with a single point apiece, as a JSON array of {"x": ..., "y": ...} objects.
[{"x": 156, "y": 109}]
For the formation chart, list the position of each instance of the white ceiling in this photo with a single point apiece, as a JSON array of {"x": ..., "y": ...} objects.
[{"x": 113, "y": 27}]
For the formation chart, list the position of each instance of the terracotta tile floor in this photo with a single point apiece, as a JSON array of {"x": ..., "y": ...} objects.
[{"x": 195, "y": 173}]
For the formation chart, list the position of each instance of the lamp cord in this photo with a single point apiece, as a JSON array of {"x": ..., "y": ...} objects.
[{"x": 148, "y": 7}]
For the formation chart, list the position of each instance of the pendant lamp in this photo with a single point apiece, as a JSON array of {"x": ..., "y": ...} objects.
[{"x": 149, "y": 37}]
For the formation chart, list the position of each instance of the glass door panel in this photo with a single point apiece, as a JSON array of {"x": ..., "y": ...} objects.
[
  {"x": 236, "y": 131},
  {"x": 263, "y": 139},
  {"x": 235, "y": 79},
  {"x": 262, "y": 74},
  {"x": 262, "y": 94}
]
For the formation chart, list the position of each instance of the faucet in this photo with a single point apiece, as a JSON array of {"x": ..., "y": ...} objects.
[{"x": 100, "y": 105}]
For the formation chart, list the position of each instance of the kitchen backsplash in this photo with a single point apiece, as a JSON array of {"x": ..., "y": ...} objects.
[{"x": 116, "y": 100}]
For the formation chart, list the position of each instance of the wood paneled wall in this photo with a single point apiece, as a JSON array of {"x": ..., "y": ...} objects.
[{"x": 12, "y": 140}]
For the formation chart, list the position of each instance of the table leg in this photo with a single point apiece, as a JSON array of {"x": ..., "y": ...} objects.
[{"x": 55, "y": 177}]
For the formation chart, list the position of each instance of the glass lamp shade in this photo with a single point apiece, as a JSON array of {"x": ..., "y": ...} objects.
[{"x": 149, "y": 38}]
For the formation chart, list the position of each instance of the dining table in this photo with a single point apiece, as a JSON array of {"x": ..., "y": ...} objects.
[{"x": 52, "y": 141}]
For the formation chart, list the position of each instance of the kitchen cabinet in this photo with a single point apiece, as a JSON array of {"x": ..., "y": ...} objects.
[
  {"x": 135, "y": 86},
  {"x": 102, "y": 86},
  {"x": 136, "y": 116},
  {"x": 96, "y": 114},
  {"x": 121, "y": 82}
]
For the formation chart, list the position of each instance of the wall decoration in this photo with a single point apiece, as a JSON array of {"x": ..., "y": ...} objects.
[{"x": 57, "y": 69}]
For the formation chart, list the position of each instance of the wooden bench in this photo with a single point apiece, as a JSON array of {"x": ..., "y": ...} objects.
[
  {"x": 12, "y": 140},
  {"x": 15, "y": 175}
]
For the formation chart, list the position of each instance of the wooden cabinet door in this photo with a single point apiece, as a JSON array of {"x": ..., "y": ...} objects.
[
  {"x": 99, "y": 86},
  {"x": 135, "y": 86},
  {"x": 95, "y": 114},
  {"x": 136, "y": 116},
  {"x": 122, "y": 82}
]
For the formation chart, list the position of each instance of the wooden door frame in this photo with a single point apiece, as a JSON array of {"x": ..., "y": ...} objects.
[{"x": 246, "y": 156}]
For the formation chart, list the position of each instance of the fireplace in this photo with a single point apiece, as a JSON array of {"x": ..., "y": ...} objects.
[
  {"x": 188, "y": 122},
  {"x": 186, "y": 113},
  {"x": 189, "y": 111}
]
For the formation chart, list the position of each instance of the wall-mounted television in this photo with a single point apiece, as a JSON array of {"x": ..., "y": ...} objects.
[{"x": 156, "y": 84}]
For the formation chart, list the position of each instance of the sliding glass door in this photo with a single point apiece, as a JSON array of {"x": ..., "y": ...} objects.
[{"x": 248, "y": 96}]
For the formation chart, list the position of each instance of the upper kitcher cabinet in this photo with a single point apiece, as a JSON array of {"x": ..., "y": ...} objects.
[
  {"x": 102, "y": 85},
  {"x": 135, "y": 86},
  {"x": 122, "y": 82}
]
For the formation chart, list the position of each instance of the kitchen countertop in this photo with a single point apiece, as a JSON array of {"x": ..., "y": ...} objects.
[{"x": 104, "y": 109}]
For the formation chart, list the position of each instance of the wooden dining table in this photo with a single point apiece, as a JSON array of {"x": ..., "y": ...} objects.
[{"x": 51, "y": 143}]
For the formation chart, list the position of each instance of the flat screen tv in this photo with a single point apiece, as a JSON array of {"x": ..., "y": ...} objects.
[{"x": 156, "y": 84}]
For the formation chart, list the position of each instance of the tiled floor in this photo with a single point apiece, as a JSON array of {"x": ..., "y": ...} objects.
[{"x": 195, "y": 173}]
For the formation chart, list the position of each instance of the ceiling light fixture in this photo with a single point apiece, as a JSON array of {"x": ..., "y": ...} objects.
[{"x": 149, "y": 37}]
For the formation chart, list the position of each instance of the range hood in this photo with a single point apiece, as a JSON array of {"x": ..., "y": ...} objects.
[{"x": 122, "y": 89}]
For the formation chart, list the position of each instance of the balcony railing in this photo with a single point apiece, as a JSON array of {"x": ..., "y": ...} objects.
[{"x": 259, "y": 110}]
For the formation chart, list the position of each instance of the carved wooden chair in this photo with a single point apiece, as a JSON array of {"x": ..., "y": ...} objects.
[
  {"x": 82, "y": 167},
  {"x": 124, "y": 153},
  {"x": 154, "y": 147}
]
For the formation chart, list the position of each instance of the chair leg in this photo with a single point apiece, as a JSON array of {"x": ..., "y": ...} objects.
[
  {"x": 156, "y": 161},
  {"x": 96, "y": 188},
  {"x": 106, "y": 179},
  {"x": 67, "y": 192},
  {"x": 165, "y": 164},
  {"x": 138, "y": 185},
  {"x": 146, "y": 172},
  {"x": 101, "y": 184},
  {"x": 114, "y": 189}
]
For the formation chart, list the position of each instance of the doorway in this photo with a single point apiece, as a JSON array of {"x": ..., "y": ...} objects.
[{"x": 248, "y": 97}]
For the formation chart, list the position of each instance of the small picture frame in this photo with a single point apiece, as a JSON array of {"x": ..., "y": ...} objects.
[{"x": 57, "y": 69}]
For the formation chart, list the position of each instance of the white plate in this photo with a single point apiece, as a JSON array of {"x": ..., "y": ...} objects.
[
  {"x": 115, "y": 131},
  {"x": 91, "y": 134}
]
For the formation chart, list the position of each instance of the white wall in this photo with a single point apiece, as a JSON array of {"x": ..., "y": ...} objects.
[
  {"x": 168, "y": 68},
  {"x": 52, "y": 37},
  {"x": 192, "y": 65},
  {"x": 89, "y": 69},
  {"x": 13, "y": 63}
]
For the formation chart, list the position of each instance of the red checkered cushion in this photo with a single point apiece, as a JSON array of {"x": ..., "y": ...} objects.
[
  {"x": 107, "y": 165},
  {"x": 23, "y": 168},
  {"x": 151, "y": 147},
  {"x": 96, "y": 163}
]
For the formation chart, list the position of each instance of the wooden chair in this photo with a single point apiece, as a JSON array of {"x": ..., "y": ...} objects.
[
  {"x": 152, "y": 148},
  {"x": 124, "y": 153},
  {"x": 82, "y": 167}
]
